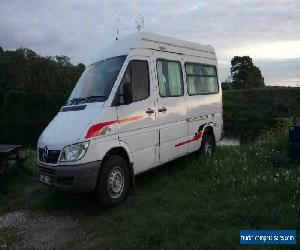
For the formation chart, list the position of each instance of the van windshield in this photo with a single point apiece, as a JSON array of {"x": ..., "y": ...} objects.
[{"x": 96, "y": 81}]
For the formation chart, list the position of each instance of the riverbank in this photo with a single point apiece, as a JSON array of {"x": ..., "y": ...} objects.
[{"x": 260, "y": 104}]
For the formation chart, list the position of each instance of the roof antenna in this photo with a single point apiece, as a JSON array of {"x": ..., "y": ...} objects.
[
  {"x": 139, "y": 22},
  {"x": 118, "y": 28}
]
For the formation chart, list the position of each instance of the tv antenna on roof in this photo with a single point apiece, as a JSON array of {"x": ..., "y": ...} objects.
[
  {"x": 118, "y": 28},
  {"x": 139, "y": 22}
]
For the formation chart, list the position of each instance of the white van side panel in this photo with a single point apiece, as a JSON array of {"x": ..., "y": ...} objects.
[
  {"x": 99, "y": 148},
  {"x": 203, "y": 109},
  {"x": 172, "y": 123},
  {"x": 107, "y": 138},
  {"x": 139, "y": 130}
]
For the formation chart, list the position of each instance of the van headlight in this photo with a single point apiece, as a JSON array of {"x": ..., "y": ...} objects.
[{"x": 74, "y": 152}]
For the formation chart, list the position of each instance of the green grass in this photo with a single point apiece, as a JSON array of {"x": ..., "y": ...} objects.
[{"x": 194, "y": 202}]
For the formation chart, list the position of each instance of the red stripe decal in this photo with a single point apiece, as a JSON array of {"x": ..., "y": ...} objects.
[
  {"x": 96, "y": 129},
  {"x": 197, "y": 136}
]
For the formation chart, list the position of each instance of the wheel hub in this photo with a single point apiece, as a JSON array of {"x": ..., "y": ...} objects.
[
  {"x": 116, "y": 182},
  {"x": 207, "y": 148}
]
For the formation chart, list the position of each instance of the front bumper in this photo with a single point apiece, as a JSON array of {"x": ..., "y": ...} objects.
[{"x": 79, "y": 178}]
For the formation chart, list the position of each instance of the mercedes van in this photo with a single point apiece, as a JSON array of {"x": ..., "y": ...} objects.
[{"x": 146, "y": 100}]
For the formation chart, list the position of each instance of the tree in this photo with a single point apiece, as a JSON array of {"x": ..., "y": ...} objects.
[
  {"x": 81, "y": 67},
  {"x": 23, "y": 70},
  {"x": 245, "y": 74},
  {"x": 63, "y": 60}
]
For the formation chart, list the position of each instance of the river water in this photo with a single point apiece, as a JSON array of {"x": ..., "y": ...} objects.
[{"x": 247, "y": 131}]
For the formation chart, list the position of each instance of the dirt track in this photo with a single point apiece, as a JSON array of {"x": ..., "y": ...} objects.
[{"x": 20, "y": 230}]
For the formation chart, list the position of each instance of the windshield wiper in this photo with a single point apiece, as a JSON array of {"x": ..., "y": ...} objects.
[
  {"x": 75, "y": 101},
  {"x": 86, "y": 99}
]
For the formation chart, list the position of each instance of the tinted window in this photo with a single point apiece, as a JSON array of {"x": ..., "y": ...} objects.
[
  {"x": 169, "y": 78},
  {"x": 201, "y": 79},
  {"x": 137, "y": 73}
]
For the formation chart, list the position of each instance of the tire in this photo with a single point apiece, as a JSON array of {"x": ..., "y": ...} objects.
[
  {"x": 113, "y": 181},
  {"x": 208, "y": 145}
]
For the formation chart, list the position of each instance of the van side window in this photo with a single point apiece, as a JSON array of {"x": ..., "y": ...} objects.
[
  {"x": 137, "y": 73},
  {"x": 201, "y": 79},
  {"x": 169, "y": 78}
]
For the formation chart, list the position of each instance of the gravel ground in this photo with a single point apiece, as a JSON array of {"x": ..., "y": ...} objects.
[{"x": 36, "y": 232}]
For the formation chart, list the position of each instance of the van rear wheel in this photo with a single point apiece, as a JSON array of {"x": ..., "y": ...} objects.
[
  {"x": 207, "y": 145},
  {"x": 113, "y": 181}
]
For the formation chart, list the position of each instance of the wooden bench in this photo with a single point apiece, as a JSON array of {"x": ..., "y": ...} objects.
[{"x": 9, "y": 153}]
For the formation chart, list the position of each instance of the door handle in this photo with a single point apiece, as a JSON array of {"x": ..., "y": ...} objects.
[
  {"x": 163, "y": 109},
  {"x": 150, "y": 111}
]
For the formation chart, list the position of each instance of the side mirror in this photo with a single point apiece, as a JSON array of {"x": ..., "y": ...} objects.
[
  {"x": 127, "y": 96},
  {"x": 127, "y": 92}
]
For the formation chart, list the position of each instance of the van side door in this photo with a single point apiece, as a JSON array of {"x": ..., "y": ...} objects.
[
  {"x": 171, "y": 106},
  {"x": 137, "y": 127}
]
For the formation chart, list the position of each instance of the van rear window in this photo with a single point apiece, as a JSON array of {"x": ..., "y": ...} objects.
[{"x": 201, "y": 79}]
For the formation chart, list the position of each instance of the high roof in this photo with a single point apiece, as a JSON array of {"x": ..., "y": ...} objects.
[{"x": 147, "y": 40}]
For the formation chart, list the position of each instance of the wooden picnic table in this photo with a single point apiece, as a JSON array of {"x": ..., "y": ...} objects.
[
  {"x": 8, "y": 153},
  {"x": 6, "y": 149}
]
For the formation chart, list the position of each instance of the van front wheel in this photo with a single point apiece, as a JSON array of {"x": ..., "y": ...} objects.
[
  {"x": 207, "y": 145},
  {"x": 113, "y": 181}
]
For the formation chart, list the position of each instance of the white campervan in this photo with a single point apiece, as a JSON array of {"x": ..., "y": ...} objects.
[{"x": 146, "y": 100}]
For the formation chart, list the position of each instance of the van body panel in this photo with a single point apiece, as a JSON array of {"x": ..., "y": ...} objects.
[
  {"x": 172, "y": 122},
  {"x": 203, "y": 108},
  {"x": 108, "y": 132},
  {"x": 155, "y": 42},
  {"x": 98, "y": 148},
  {"x": 66, "y": 127},
  {"x": 80, "y": 178},
  {"x": 139, "y": 130}
]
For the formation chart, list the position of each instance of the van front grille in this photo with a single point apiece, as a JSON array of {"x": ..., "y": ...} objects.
[{"x": 50, "y": 157}]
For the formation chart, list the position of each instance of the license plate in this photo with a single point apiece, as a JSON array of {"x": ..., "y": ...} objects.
[{"x": 46, "y": 179}]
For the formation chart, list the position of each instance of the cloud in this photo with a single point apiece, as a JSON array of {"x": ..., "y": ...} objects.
[
  {"x": 280, "y": 72},
  {"x": 275, "y": 72},
  {"x": 79, "y": 29}
]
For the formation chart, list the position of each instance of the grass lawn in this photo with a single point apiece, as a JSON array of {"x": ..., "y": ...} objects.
[{"x": 194, "y": 202}]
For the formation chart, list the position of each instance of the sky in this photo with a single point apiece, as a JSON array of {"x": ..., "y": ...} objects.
[{"x": 266, "y": 30}]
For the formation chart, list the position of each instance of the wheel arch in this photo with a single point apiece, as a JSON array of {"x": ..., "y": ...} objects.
[
  {"x": 124, "y": 152},
  {"x": 207, "y": 128}
]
